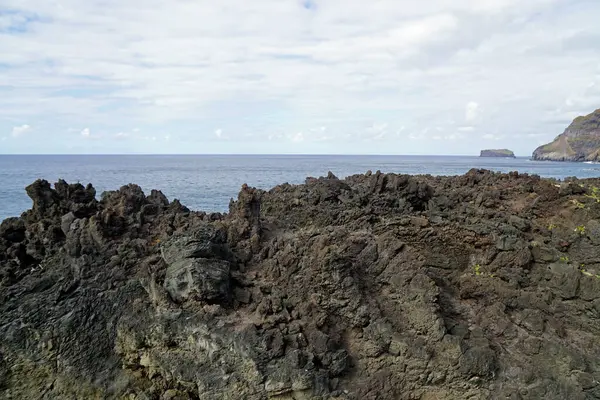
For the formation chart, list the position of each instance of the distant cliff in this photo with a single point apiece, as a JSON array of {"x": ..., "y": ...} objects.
[
  {"x": 497, "y": 153},
  {"x": 579, "y": 142}
]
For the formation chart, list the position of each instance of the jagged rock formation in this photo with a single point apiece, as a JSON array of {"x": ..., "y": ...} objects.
[
  {"x": 579, "y": 142},
  {"x": 497, "y": 153},
  {"x": 379, "y": 286}
]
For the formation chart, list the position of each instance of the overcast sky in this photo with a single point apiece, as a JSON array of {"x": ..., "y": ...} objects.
[{"x": 294, "y": 76}]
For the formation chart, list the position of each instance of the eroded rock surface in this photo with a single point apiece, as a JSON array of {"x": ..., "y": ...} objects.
[{"x": 378, "y": 286}]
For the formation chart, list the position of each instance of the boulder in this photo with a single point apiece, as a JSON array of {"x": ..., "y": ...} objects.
[
  {"x": 204, "y": 242},
  {"x": 198, "y": 279}
]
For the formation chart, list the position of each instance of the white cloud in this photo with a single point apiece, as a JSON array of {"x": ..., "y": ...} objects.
[
  {"x": 491, "y": 136},
  {"x": 466, "y": 128},
  {"x": 85, "y": 132},
  {"x": 471, "y": 111},
  {"x": 20, "y": 130},
  {"x": 414, "y": 136},
  {"x": 167, "y": 137},
  {"x": 377, "y": 131},
  {"x": 219, "y": 133},
  {"x": 272, "y": 66},
  {"x": 298, "y": 137},
  {"x": 122, "y": 135}
]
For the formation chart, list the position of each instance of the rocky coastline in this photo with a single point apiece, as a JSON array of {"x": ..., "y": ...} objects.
[
  {"x": 579, "y": 142},
  {"x": 377, "y": 286}
]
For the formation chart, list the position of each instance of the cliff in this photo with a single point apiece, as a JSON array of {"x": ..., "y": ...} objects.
[
  {"x": 579, "y": 142},
  {"x": 497, "y": 153},
  {"x": 378, "y": 286}
]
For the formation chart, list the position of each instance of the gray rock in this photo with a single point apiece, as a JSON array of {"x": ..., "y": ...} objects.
[
  {"x": 12, "y": 229},
  {"x": 353, "y": 298},
  {"x": 198, "y": 279},
  {"x": 66, "y": 221},
  {"x": 206, "y": 242},
  {"x": 479, "y": 360},
  {"x": 519, "y": 223},
  {"x": 564, "y": 279},
  {"x": 543, "y": 253},
  {"x": 592, "y": 230},
  {"x": 506, "y": 243}
]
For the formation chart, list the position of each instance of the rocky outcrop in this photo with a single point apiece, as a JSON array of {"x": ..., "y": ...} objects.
[
  {"x": 504, "y": 153},
  {"x": 579, "y": 142},
  {"x": 378, "y": 286}
]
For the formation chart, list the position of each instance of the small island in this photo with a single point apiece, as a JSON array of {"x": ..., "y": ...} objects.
[{"x": 497, "y": 153}]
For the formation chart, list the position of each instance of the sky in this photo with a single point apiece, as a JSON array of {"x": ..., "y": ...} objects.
[{"x": 448, "y": 77}]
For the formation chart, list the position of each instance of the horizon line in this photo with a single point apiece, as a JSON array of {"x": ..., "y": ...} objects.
[{"x": 254, "y": 154}]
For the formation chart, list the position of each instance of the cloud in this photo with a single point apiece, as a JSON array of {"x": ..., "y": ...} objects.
[
  {"x": 121, "y": 135},
  {"x": 377, "y": 131},
  {"x": 471, "y": 111},
  {"x": 272, "y": 68},
  {"x": 86, "y": 133},
  {"x": 221, "y": 135},
  {"x": 416, "y": 136},
  {"x": 20, "y": 130},
  {"x": 490, "y": 136},
  {"x": 297, "y": 138}
]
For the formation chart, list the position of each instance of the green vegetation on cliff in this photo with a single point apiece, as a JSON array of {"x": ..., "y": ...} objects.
[{"x": 579, "y": 142}]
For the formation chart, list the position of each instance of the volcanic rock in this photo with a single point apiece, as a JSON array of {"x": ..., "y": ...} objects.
[{"x": 376, "y": 286}]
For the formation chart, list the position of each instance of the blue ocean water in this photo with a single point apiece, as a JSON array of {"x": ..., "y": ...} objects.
[{"x": 207, "y": 182}]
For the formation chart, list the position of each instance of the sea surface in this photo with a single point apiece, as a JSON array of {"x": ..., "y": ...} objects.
[{"x": 208, "y": 182}]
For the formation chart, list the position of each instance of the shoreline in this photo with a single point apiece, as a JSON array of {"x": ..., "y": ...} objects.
[{"x": 418, "y": 176}]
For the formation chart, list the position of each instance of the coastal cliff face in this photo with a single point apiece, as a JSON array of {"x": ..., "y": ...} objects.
[
  {"x": 579, "y": 142},
  {"x": 497, "y": 153},
  {"x": 379, "y": 286}
]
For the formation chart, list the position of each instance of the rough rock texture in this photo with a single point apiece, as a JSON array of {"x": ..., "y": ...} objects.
[
  {"x": 379, "y": 286},
  {"x": 497, "y": 153},
  {"x": 579, "y": 142}
]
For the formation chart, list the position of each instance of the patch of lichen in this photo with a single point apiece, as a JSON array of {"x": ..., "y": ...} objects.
[{"x": 43, "y": 382}]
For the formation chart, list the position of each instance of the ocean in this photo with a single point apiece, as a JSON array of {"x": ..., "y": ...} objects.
[{"x": 208, "y": 182}]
